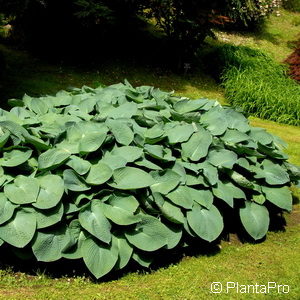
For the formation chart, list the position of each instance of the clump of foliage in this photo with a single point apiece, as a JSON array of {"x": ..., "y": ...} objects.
[
  {"x": 294, "y": 63},
  {"x": 115, "y": 174},
  {"x": 292, "y": 5},
  {"x": 256, "y": 83},
  {"x": 184, "y": 24}
]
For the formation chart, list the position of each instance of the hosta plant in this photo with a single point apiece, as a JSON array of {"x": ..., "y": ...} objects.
[{"x": 115, "y": 174}]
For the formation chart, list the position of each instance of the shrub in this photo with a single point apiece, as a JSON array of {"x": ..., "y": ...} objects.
[
  {"x": 292, "y": 5},
  {"x": 294, "y": 63},
  {"x": 115, "y": 174},
  {"x": 256, "y": 83}
]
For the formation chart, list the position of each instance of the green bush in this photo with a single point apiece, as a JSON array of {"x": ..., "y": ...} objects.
[
  {"x": 292, "y": 5},
  {"x": 115, "y": 174},
  {"x": 256, "y": 83}
]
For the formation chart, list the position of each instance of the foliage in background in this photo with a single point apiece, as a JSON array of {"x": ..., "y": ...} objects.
[
  {"x": 184, "y": 24},
  {"x": 115, "y": 174},
  {"x": 292, "y": 5},
  {"x": 257, "y": 84},
  {"x": 294, "y": 63}
]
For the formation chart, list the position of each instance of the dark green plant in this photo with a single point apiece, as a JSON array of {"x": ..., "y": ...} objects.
[{"x": 115, "y": 174}]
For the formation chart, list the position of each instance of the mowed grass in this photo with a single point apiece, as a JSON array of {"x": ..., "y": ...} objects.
[{"x": 277, "y": 259}]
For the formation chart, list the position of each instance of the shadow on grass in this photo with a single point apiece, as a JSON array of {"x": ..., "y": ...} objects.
[{"x": 76, "y": 268}]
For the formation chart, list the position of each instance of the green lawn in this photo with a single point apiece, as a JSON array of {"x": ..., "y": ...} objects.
[{"x": 275, "y": 260}]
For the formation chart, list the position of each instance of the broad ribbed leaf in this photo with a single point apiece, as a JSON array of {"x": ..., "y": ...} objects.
[
  {"x": 121, "y": 131},
  {"x": 215, "y": 121},
  {"x": 53, "y": 157},
  {"x": 174, "y": 235},
  {"x": 73, "y": 182},
  {"x": 119, "y": 215},
  {"x": 185, "y": 106},
  {"x": 172, "y": 212},
  {"x": 273, "y": 173},
  {"x": 181, "y": 197},
  {"x": 79, "y": 165},
  {"x": 99, "y": 174},
  {"x": 98, "y": 257},
  {"x": 51, "y": 191},
  {"x": 222, "y": 158},
  {"x": 180, "y": 133},
  {"x": 124, "y": 201},
  {"x": 281, "y": 197},
  {"x": 260, "y": 135},
  {"x": 148, "y": 235},
  {"x": 233, "y": 136},
  {"x": 88, "y": 135},
  {"x": 227, "y": 192},
  {"x": 197, "y": 146},
  {"x": 124, "y": 249},
  {"x": 93, "y": 220},
  {"x": 48, "y": 244},
  {"x": 49, "y": 217},
  {"x": 206, "y": 223},
  {"x": 255, "y": 219},
  {"x": 129, "y": 153},
  {"x": 130, "y": 178},
  {"x": 23, "y": 190},
  {"x": 20, "y": 229},
  {"x": 15, "y": 158},
  {"x": 6, "y": 209},
  {"x": 165, "y": 181}
]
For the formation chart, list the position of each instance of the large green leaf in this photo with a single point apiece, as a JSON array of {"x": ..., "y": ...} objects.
[
  {"x": 260, "y": 135},
  {"x": 93, "y": 220},
  {"x": 197, "y": 146},
  {"x": 124, "y": 249},
  {"x": 20, "y": 229},
  {"x": 181, "y": 197},
  {"x": 180, "y": 133},
  {"x": 165, "y": 181},
  {"x": 255, "y": 219},
  {"x": 174, "y": 235},
  {"x": 185, "y": 106},
  {"x": 89, "y": 136},
  {"x": 273, "y": 173},
  {"x": 227, "y": 192},
  {"x": 130, "y": 153},
  {"x": 124, "y": 201},
  {"x": 98, "y": 257},
  {"x": 206, "y": 223},
  {"x": 73, "y": 182},
  {"x": 48, "y": 244},
  {"x": 23, "y": 190},
  {"x": 15, "y": 158},
  {"x": 53, "y": 157},
  {"x": 6, "y": 209},
  {"x": 121, "y": 131},
  {"x": 281, "y": 197},
  {"x": 51, "y": 191},
  {"x": 222, "y": 158},
  {"x": 233, "y": 136},
  {"x": 49, "y": 217},
  {"x": 126, "y": 110},
  {"x": 99, "y": 174},
  {"x": 129, "y": 178},
  {"x": 215, "y": 121},
  {"x": 79, "y": 165},
  {"x": 119, "y": 215},
  {"x": 148, "y": 235},
  {"x": 171, "y": 212}
]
